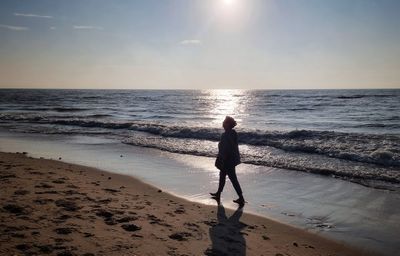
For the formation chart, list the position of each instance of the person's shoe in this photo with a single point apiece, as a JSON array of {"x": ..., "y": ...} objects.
[
  {"x": 240, "y": 202},
  {"x": 216, "y": 195}
]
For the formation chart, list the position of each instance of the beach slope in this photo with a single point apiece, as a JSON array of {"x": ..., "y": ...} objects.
[{"x": 56, "y": 208}]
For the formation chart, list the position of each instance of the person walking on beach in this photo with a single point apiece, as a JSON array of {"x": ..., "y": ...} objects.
[{"x": 228, "y": 158}]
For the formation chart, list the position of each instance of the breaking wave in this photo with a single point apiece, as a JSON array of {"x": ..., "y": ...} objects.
[{"x": 380, "y": 149}]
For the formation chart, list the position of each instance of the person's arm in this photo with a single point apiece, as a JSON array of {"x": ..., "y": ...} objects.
[
  {"x": 226, "y": 147},
  {"x": 222, "y": 147},
  {"x": 236, "y": 154}
]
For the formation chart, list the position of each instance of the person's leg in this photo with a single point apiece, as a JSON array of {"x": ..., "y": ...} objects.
[
  {"x": 232, "y": 176},
  {"x": 222, "y": 179}
]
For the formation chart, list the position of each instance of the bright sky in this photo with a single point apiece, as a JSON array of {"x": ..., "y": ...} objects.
[{"x": 195, "y": 44}]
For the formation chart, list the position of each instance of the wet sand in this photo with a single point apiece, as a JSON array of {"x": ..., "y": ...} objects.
[{"x": 56, "y": 208}]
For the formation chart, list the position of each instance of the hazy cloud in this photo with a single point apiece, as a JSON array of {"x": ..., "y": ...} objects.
[
  {"x": 52, "y": 28},
  {"x": 190, "y": 42},
  {"x": 31, "y": 15},
  {"x": 15, "y": 28},
  {"x": 88, "y": 27}
]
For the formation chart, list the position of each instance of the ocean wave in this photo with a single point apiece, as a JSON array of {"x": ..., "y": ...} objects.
[
  {"x": 380, "y": 125},
  {"x": 74, "y": 116},
  {"x": 269, "y": 156},
  {"x": 301, "y": 109},
  {"x": 92, "y": 123},
  {"x": 380, "y": 149},
  {"x": 351, "y": 97},
  {"x": 365, "y": 96},
  {"x": 56, "y": 109},
  {"x": 69, "y": 109}
]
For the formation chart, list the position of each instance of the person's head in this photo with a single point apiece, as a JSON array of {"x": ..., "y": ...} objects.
[{"x": 229, "y": 123}]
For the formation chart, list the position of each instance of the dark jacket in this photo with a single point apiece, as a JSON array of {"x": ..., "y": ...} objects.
[{"x": 228, "y": 149}]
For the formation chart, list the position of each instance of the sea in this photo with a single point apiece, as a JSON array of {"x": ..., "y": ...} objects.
[
  {"x": 327, "y": 161},
  {"x": 348, "y": 134}
]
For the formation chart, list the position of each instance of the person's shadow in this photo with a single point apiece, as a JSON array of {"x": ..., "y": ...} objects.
[{"x": 226, "y": 235}]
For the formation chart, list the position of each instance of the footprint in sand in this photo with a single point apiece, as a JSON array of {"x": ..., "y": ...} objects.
[
  {"x": 18, "y": 235},
  {"x": 6, "y": 177},
  {"x": 45, "y": 249},
  {"x": 47, "y": 192},
  {"x": 21, "y": 192},
  {"x": 193, "y": 226},
  {"x": 64, "y": 231},
  {"x": 308, "y": 246},
  {"x": 126, "y": 219},
  {"x": 130, "y": 227},
  {"x": 23, "y": 247},
  {"x": 16, "y": 209},
  {"x": 67, "y": 205},
  {"x": 36, "y": 173},
  {"x": 43, "y": 201},
  {"x": 154, "y": 220},
  {"x": 44, "y": 185},
  {"x": 180, "y": 236},
  {"x": 180, "y": 210},
  {"x": 62, "y": 218}
]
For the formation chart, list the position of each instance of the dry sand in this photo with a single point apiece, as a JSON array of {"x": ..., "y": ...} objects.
[{"x": 56, "y": 208}]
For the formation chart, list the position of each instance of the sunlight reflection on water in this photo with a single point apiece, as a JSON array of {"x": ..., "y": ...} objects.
[{"x": 226, "y": 102}]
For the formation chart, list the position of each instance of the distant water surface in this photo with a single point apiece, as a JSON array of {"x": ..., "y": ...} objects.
[{"x": 351, "y": 134}]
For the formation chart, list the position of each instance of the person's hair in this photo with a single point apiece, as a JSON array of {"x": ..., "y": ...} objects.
[{"x": 230, "y": 121}]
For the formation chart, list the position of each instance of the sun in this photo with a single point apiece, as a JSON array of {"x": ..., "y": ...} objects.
[
  {"x": 229, "y": 2},
  {"x": 230, "y": 13}
]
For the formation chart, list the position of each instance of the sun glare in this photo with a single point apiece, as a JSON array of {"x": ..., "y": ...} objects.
[
  {"x": 230, "y": 11},
  {"x": 228, "y": 2}
]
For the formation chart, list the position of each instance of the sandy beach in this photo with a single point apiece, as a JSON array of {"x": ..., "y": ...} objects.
[{"x": 56, "y": 208}]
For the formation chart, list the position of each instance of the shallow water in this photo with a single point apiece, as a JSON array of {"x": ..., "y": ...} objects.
[{"x": 358, "y": 215}]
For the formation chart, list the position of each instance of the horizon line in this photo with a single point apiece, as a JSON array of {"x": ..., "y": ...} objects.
[{"x": 199, "y": 89}]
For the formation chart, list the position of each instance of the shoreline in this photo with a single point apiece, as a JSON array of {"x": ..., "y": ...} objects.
[{"x": 78, "y": 209}]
